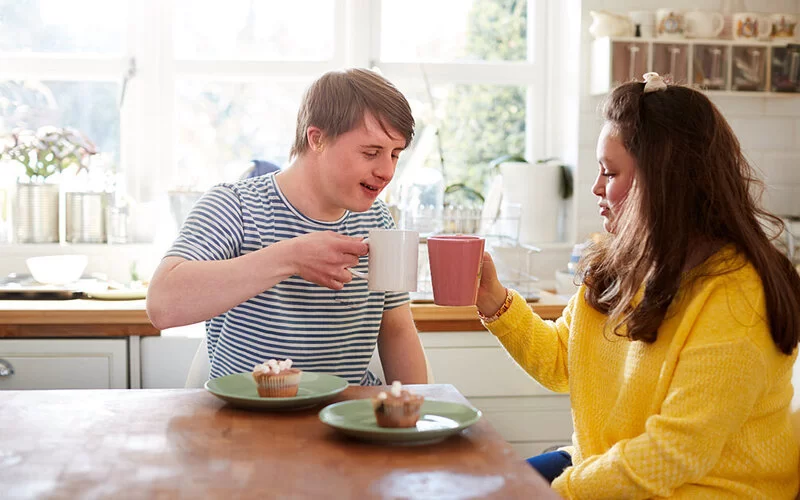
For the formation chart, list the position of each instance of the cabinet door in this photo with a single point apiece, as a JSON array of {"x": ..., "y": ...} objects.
[
  {"x": 526, "y": 414},
  {"x": 64, "y": 364},
  {"x": 464, "y": 358}
]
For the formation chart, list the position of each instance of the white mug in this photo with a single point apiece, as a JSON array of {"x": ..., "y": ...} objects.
[
  {"x": 703, "y": 24},
  {"x": 646, "y": 21},
  {"x": 669, "y": 23},
  {"x": 751, "y": 26},
  {"x": 783, "y": 25},
  {"x": 393, "y": 255}
]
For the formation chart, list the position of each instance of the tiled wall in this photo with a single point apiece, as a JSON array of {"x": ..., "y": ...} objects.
[{"x": 768, "y": 127}]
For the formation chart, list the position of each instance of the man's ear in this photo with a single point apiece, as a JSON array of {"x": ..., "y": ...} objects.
[{"x": 316, "y": 139}]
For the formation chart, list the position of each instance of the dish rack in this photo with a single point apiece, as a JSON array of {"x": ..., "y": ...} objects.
[{"x": 513, "y": 260}]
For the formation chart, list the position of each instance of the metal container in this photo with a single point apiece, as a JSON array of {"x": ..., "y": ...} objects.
[
  {"x": 36, "y": 213},
  {"x": 85, "y": 217}
]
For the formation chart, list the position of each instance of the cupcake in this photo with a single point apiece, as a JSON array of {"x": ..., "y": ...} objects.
[
  {"x": 277, "y": 379},
  {"x": 397, "y": 408}
]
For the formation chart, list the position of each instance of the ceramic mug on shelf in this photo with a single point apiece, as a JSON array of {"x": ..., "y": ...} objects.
[
  {"x": 669, "y": 23},
  {"x": 703, "y": 24},
  {"x": 645, "y": 20},
  {"x": 606, "y": 23},
  {"x": 456, "y": 262},
  {"x": 393, "y": 255},
  {"x": 783, "y": 25},
  {"x": 751, "y": 26}
]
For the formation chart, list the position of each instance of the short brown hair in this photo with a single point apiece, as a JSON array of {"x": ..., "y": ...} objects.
[
  {"x": 692, "y": 182},
  {"x": 338, "y": 101}
]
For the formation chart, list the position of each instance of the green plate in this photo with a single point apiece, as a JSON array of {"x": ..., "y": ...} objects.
[
  {"x": 240, "y": 390},
  {"x": 437, "y": 421}
]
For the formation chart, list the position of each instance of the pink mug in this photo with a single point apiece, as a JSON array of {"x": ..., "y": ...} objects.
[{"x": 456, "y": 262}]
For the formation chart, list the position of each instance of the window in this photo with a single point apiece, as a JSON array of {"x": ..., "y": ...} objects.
[
  {"x": 469, "y": 71},
  {"x": 220, "y": 125},
  {"x": 61, "y": 63},
  {"x": 62, "y": 26},
  {"x": 183, "y": 94},
  {"x": 254, "y": 30}
]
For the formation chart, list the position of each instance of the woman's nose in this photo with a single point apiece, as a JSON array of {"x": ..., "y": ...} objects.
[{"x": 599, "y": 186}]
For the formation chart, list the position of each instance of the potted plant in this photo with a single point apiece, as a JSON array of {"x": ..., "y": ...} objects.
[{"x": 42, "y": 153}]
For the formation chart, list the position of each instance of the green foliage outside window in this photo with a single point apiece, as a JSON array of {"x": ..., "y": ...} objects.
[{"x": 483, "y": 121}]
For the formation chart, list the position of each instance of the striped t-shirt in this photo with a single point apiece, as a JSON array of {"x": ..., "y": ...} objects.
[{"x": 320, "y": 329}]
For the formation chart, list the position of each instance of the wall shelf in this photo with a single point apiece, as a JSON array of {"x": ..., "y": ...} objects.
[{"x": 720, "y": 67}]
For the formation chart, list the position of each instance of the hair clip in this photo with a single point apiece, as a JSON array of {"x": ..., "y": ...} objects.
[{"x": 653, "y": 82}]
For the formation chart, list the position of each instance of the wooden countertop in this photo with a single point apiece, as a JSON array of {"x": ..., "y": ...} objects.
[
  {"x": 122, "y": 318},
  {"x": 186, "y": 443},
  {"x": 433, "y": 318}
]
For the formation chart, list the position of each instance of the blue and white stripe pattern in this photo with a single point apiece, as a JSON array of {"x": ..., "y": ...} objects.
[{"x": 321, "y": 330}]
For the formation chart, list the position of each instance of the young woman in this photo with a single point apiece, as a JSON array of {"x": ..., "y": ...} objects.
[{"x": 677, "y": 350}]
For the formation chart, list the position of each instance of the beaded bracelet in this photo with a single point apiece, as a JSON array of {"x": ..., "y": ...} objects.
[{"x": 506, "y": 305}]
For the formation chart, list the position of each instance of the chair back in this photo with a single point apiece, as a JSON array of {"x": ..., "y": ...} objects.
[{"x": 200, "y": 367}]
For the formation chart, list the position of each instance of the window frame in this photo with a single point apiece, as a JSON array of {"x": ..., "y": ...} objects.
[{"x": 147, "y": 115}]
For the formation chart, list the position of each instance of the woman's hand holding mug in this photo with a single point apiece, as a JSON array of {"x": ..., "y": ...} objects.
[{"x": 491, "y": 293}]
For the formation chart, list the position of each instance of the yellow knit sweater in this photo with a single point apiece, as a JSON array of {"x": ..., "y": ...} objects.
[{"x": 703, "y": 412}]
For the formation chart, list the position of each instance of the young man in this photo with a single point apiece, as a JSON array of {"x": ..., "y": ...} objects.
[{"x": 264, "y": 261}]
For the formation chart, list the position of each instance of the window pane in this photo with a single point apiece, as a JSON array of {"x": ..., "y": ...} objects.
[
  {"x": 255, "y": 29},
  {"x": 63, "y": 26},
  {"x": 453, "y": 30},
  {"x": 222, "y": 126},
  {"x": 90, "y": 107},
  {"x": 475, "y": 124}
]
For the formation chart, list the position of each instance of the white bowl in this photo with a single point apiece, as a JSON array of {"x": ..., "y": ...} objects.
[{"x": 57, "y": 269}]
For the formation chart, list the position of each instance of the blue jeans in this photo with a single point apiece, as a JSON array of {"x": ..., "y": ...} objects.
[{"x": 551, "y": 465}]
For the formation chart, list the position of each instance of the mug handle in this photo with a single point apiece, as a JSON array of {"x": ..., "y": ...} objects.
[
  {"x": 719, "y": 20},
  {"x": 359, "y": 274}
]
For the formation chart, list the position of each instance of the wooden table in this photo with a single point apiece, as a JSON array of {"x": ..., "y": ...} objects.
[{"x": 186, "y": 443}]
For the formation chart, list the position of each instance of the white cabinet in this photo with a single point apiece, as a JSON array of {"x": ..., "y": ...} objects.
[
  {"x": 63, "y": 364},
  {"x": 725, "y": 66},
  {"x": 166, "y": 361},
  {"x": 526, "y": 414}
]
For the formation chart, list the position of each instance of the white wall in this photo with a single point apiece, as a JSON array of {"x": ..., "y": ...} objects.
[{"x": 768, "y": 127}]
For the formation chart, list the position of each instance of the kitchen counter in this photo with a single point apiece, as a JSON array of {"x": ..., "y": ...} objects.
[
  {"x": 125, "y": 318},
  {"x": 74, "y": 318}
]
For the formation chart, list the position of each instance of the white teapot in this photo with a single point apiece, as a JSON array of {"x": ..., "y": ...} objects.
[{"x": 606, "y": 23}]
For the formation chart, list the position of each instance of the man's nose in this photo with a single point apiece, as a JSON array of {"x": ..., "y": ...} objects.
[{"x": 385, "y": 169}]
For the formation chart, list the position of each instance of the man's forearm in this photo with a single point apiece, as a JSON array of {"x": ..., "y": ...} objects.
[
  {"x": 401, "y": 353},
  {"x": 184, "y": 292}
]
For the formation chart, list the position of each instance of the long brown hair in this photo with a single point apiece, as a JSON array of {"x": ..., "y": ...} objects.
[{"x": 692, "y": 184}]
